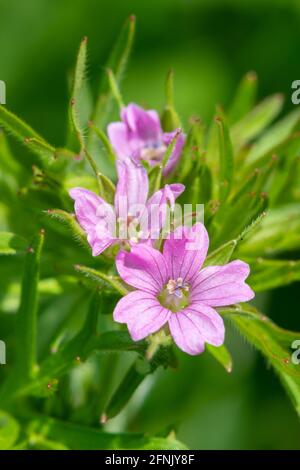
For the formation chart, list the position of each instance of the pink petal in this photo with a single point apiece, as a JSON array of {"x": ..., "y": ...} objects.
[
  {"x": 186, "y": 334},
  {"x": 143, "y": 268},
  {"x": 185, "y": 251},
  {"x": 132, "y": 188},
  {"x": 154, "y": 217},
  {"x": 219, "y": 286},
  {"x": 119, "y": 138},
  {"x": 175, "y": 156},
  {"x": 142, "y": 312},
  {"x": 96, "y": 217},
  {"x": 98, "y": 246},
  {"x": 144, "y": 125},
  {"x": 196, "y": 325}
]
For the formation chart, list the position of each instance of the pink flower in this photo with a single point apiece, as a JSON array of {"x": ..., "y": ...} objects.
[
  {"x": 132, "y": 217},
  {"x": 140, "y": 136},
  {"x": 173, "y": 290}
]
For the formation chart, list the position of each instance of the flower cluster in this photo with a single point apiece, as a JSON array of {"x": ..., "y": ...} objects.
[{"x": 171, "y": 289}]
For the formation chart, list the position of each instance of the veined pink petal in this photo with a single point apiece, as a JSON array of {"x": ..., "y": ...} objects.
[
  {"x": 196, "y": 325},
  {"x": 132, "y": 187},
  {"x": 185, "y": 251},
  {"x": 142, "y": 312},
  {"x": 219, "y": 286},
  {"x": 119, "y": 138},
  {"x": 185, "y": 334},
  {"x": 144, "y": 125},
  {"x": 98, "y": 246},
  {"x": 154, "y": 217},
  {"x": 96, "y": 217},
  {"x": 143, "y": 268},
  {"x": 175, "y": 156}
]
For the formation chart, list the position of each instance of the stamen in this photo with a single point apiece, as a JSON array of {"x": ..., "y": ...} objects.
[
  {"x": 177, "y": 287},
  {"x": 153, "y": 152}
]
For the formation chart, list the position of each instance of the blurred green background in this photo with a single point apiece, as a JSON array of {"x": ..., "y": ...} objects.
[{"x": 210, "y": 44}]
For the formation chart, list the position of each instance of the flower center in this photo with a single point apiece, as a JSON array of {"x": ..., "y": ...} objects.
[
  {"x": 175, "y": 295},
  {"x": 153, "y": 152}
]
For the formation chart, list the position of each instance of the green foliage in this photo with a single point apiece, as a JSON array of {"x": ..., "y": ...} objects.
[
  {"x": 273, "y": 342},
  {"x": 9, "y": 431},
  {"x": 252, "y": 212},
  {"x": 11, "y": 244}
]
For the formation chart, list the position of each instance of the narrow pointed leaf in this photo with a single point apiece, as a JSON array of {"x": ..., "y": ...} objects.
[
  {"x": 275, "y": 136},
  {"x": 226, "y": 159},
  {"x": 256, "y": 120},
  {"x": 269, "y": 273},
  {"x": 26, "y": 135},
  {"x": 244, "y": 98},
  {"x": 70, "y": 221},
  {"x": 101, "y": 278},
  {"x": 273, "y": 236},
  {"x": 222, "y": 355},
  {"x": 79, "y": 76},
  {"x": 26, "y": 328},
  {"x": 170, "y": 119},
  {"x": 273, "y": 342},
  {"x": 117, "y": 63}
]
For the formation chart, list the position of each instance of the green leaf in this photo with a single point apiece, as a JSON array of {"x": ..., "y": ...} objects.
[
  {"x": 275, "y": 136},
  {"x": 285, "y": 182},
  {"x": 70, "y": 221},
  {"x": 26, "y": 328},
  {"x": 25, "y": 134},
  {"x": 231, "y": 218},
  {"x": 193, "y": 154},
  {"x": 114, "y": 341},
  {"x": 269, "y": 273},
  {"x": 222, "y": 355},
  {"x": 221, "y": 255},
  {"x": 132, "y": 379},
  {"x": 244, "y": 98},
  {"x": 79, "y": 76},
  {"x": 273, "y": 342},
  {"x": 224, "y": 253},
  {"x": 273, "y": 236},
  {"x": 11, "y": 244},
  {"x": 226, "y": 159},
  {"x": 114, "y": 88},
  {"x": 78, "y": 437},
  {"x": 105, "y": 141},
  {"x": 67, "y": 356},
  {"x": 136, "y": 374},
  {"x": 170, "y": 119},
  {"x": 25, "y": 366},
  {"x": 117, "y": 63},
  {"x": 256, "y": 120},
  {"x": 101, "y": 278},
  {"x": 9, "y": 431},
  {"x": 7, "y": 161}
]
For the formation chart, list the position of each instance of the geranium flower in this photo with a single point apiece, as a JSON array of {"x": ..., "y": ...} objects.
[
  {"x": 140, "y": 136},
  {"x": 132, "y": 218},
  {"x": 173, "y": 290}
]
